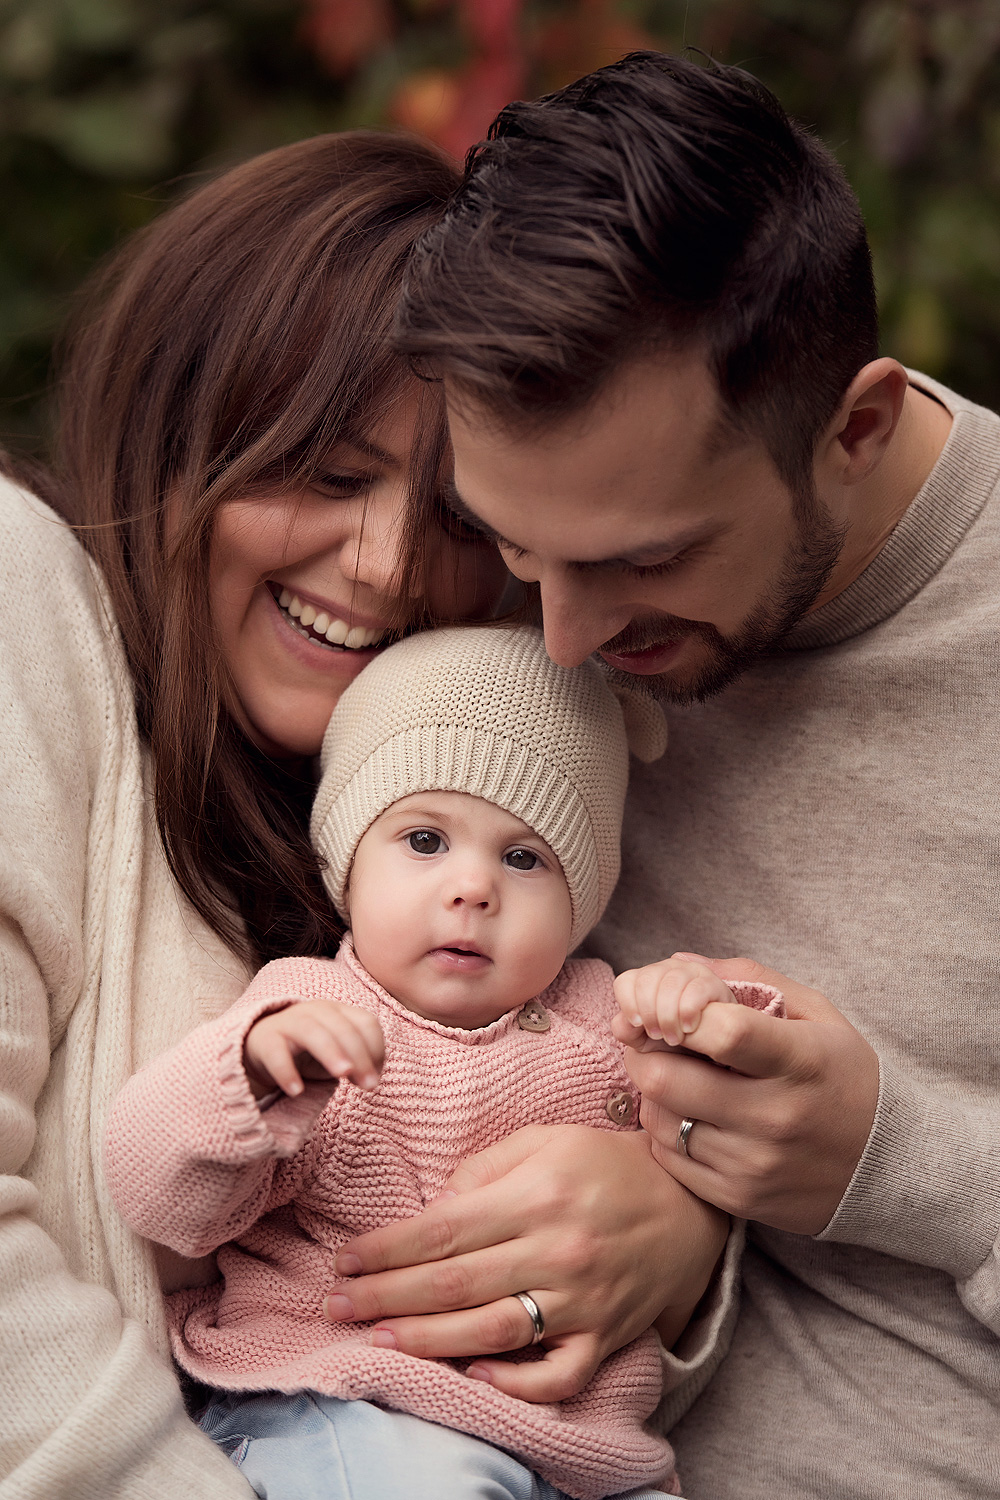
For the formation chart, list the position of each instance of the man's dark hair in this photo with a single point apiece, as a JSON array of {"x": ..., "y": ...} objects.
[{"x": 655, "y": 203}]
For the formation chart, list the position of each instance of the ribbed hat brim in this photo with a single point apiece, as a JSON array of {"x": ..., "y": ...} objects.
[{"x": 482, "y": 764}]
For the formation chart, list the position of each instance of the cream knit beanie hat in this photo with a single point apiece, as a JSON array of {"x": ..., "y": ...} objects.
[{"x": 483, "y": 710}]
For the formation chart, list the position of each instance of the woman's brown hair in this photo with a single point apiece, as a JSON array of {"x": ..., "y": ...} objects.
[{"x": 233, "y": 343}]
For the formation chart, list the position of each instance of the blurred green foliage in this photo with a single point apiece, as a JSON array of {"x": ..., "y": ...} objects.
[
  {"x": 108, "y": 108},
  {"x": 907, "y": 93}
]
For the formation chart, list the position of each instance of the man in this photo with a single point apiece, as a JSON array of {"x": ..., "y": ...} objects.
[{"x": 652, "y": 307}]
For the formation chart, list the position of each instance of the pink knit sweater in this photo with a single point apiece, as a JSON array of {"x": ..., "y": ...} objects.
[{"x": 194, "y": 1163}]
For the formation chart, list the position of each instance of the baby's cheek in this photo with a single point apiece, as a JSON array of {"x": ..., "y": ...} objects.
[{"x": 540, "y": 962}]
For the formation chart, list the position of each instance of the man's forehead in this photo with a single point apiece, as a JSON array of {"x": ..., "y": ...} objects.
[{"x": 635, "y": 471}]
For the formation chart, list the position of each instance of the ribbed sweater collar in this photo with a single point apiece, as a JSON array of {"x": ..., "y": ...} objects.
[{"x": 926, "y": 535}]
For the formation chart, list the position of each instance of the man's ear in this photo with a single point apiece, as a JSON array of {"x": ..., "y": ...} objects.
[{"x": 858, "y": 436}]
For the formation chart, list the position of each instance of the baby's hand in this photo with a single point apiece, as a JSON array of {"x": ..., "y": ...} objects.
[
  {"x": 313, "y": 1039},
  {"x": 665, "y": 1002}
]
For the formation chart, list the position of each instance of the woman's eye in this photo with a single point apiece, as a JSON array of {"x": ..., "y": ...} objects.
[
  {"x": 521, "y": 859},
  {"x": 343, "y": 486},
  {"x": 425, "y": 842}
]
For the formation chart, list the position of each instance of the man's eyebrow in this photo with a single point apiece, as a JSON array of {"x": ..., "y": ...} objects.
[{"x": 650, "y": 556}]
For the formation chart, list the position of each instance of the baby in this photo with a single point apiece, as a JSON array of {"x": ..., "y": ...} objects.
[{"x": 469, "y": 815}]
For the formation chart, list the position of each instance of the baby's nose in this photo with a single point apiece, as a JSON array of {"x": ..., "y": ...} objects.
[{"x": 473, "y": 886}]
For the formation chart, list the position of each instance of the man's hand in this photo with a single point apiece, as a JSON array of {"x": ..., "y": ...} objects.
[
  {"x": 313, "y": 1039},
  {"x": 584, "y": 1220},
  {"x": 778, "y": 1136}
]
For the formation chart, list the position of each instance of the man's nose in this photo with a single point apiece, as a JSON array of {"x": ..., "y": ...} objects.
[{"x": 577, "y": 618}]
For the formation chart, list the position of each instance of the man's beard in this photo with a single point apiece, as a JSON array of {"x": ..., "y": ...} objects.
[{"x": 806, "y": 568}]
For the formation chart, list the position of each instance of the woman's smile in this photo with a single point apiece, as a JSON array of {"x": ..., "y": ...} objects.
[
  {"x": 307, "y": 584},
  {"x": 326, "y": 629},
  {"x": 298, "y": 670}
]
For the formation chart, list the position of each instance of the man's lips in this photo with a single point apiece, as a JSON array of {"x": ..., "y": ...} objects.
[{"x": 648, "y": 661}]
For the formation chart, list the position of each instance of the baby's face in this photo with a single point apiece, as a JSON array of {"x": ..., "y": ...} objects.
[{"x": 457, "y": 908}]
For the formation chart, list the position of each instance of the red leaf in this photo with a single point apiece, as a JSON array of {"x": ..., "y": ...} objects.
[
  {"x": 492, "y": 24},
  {"x": 344, "y": 33},
  {"x": 486, "y": 86}
]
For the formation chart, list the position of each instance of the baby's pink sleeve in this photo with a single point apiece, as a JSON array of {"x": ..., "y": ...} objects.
[
  {"x": 762, "y": 997},
  {"x": 190, "y": 1155}
]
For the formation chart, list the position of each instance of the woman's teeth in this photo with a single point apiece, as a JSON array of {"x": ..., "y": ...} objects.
[{"x": 317, "y": 624}]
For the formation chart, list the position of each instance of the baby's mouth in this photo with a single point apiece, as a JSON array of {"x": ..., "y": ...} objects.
[
  {"x": 324, "y": 629},
  {"x": 460, "y": 956}
]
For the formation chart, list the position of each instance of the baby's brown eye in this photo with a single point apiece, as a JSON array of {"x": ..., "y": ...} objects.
[
  {"x": 424, "y": 842},
  {"x": 521, "y": 859}
]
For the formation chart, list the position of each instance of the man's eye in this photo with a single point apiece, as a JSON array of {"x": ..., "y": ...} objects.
[
  {"x": 456, "y": 526},
  {"x": 424, "y": 842},
  {"x": 521, "y": 859}
]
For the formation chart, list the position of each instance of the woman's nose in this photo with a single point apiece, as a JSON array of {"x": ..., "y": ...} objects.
[{"x": 376, "y": 554}]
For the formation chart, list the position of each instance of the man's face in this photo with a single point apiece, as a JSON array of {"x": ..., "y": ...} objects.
[{"x": 656, "y": 538}]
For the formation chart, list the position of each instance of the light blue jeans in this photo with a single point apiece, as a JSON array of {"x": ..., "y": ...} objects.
[{"x": 311, "y": 1447}]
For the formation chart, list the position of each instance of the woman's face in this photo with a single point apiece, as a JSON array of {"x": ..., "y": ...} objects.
[{"x": 303, "y": 585}]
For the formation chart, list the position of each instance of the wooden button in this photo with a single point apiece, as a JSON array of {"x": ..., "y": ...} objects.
[
  {"x": 533, "y": 1017},
  {"x": 620, "y": 1107}
]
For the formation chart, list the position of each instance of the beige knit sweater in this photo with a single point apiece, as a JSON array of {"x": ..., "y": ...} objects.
[
  {"x": 103, "y": 965},
  {"x": 836, "y": 815}
]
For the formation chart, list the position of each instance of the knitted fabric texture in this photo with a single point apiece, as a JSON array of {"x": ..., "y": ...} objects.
[
  {"x": 483, "y": 710},
  {"x": 103, "y": 965},
  {"x": 193, "y": 1161}
]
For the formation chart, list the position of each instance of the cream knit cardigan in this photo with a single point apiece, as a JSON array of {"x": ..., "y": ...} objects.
[{"x": 103, "y": 966}]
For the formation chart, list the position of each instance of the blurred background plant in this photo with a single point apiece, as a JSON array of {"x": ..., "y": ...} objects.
[{"x": 109, "y": 108}]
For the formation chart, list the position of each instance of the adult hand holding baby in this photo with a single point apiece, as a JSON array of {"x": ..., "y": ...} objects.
[
  {"x": 778, "y": 1136},
  {"x": 584, "y": 1219}
]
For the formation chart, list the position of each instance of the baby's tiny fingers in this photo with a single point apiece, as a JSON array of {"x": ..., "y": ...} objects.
[
  {"x": 626, "y": 1031},
  {"x": 342, "y": 1049},
  {"x": 652, "y": 1006},
  {"x": 638, "y": 1012},
  {"x": 371, "y": 1032},
  {"x": 701, "y": 991},
  {"x": 624, "y": 988},
  {"x": 274, "y": 1057}
]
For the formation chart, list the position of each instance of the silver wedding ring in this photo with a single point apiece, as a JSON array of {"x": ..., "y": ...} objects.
[
  {"x": 684, "y": 1135},
  {"x": 534, "y": 1312}
]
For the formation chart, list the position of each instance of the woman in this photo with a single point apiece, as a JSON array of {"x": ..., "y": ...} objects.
[{"x": 237, "y": 449}]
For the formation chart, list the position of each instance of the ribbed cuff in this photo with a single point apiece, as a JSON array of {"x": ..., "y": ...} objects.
[
  {"x": 694, "y": 1359},
  {"x": 278, "y": 1125},
  {"x": 927, "y": 1187}
]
